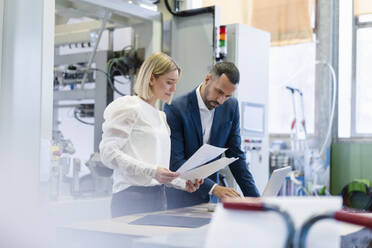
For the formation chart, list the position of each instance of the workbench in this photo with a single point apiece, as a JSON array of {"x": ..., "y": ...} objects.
[{"x": 118, "y": 232}]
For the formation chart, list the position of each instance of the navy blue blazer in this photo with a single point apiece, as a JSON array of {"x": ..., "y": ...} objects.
[{"x": 183, "y": 118}]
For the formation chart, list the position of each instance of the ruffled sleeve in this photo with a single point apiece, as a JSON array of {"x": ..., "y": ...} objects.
[{"x": 120, "y": 118}]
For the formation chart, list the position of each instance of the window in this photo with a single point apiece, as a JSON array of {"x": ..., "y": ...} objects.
[
  {"x": 293, "y": 66},
  {"x": 355, "y": 74},
  {"x": 363, "y": 84}
]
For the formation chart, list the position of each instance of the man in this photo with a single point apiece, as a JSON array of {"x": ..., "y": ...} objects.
[{"x": 208, "y": 115}]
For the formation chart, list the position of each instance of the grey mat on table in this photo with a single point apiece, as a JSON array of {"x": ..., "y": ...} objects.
[
  {"x": 171, "y": 220},
  {"x": 359, "y": 239}
]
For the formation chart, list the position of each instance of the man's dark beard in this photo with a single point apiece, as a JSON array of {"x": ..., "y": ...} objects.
[
  {"x": 210, "y": 107},
  {"x": 208, "y": 103}
]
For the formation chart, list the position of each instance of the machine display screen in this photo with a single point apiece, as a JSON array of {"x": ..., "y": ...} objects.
[{"x": 253, "y": 119}]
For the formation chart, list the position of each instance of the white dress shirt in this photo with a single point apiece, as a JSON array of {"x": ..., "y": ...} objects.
[
  {"x": 135, "y": 140},
  {"x": 206, "y": 118}
]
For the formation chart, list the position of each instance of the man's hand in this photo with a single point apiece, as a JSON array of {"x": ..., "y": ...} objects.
[
  {"x": 164, "y": 175},
  {"x": 224, "y": 192},
  {"x": 192, "y": 187}
]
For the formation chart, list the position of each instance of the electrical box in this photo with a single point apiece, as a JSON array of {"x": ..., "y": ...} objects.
[{"x": 248, "y": 48}]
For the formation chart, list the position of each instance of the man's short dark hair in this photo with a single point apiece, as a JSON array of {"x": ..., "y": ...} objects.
[{"x": 227, "y": 68}]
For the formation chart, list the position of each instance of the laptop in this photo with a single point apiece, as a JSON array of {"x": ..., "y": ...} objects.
[
  {"x": 273, "y": 185},
  {"x": 275, "y": 182}
]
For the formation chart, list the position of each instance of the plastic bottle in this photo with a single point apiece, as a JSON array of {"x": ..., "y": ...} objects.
[{"x": 316, "y": 175}]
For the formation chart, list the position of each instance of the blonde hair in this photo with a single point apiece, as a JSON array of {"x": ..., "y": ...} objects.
[{"x": 157, "y": 64}]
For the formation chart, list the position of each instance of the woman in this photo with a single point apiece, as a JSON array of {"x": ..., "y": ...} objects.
[{"x": 136, "y": 141}]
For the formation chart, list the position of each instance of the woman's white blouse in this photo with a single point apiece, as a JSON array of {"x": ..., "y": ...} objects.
[{"x": 135, "y": 140}]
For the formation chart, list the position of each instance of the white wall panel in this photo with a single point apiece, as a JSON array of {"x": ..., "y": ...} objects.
[
  {"x": 24, "y": 42},
  {"x": 1, "y": 34}
]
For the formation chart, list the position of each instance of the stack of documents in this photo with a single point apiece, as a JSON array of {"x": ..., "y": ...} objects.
[{"x": 195, "y": 167}]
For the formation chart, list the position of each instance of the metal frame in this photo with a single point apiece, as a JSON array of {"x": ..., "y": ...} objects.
[
  {"x": 356, "y": 25},
  {"x": 1, "y": 35},
  {"x": 147, "y": 24},
  {"x": 326, "y": 50},
  {"x": 93, "y": 54},
  {"x": 353, "y": 75},
  {"x": 101, "y": 94},
  {"x": 123, "y": 12}
]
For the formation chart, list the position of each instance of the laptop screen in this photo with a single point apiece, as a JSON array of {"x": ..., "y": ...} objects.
[{"x": 275, "y": 182}]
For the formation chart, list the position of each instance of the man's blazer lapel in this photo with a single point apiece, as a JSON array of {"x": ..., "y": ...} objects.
[{"x": 194, "y": 112}]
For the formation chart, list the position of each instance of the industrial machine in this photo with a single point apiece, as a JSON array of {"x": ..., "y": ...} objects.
[
  {"x": 89, "y": 75},
  {"x": 197, "y": 43},
  {"x": 249, "y": 48},
  {"x": 99, "y": 47}
]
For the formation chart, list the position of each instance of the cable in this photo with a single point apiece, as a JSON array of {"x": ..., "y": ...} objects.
[
  {"x": 109, "y": 80},
  {"x": 259, "y": 206},
  {"x": 126, "y": 48},
  {"x": 334, "y": 83},
  {"x": 304, "y": 230},
  {"x": 191, "y": 12},
  {"x": 326, "y": 141},
  {"x": 116, "y": 70},
  {"x": 112, "y": 85},
  {"x": 121, "y": 82},
  {"x": 80, "y": 120},
  {"x": 111, "y": 64},
  {"x": 342, "y": 216},
  {"x": 126, "y": 65}
]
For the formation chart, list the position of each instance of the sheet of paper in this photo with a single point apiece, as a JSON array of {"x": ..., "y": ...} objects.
[
  {"x": 201, "y": 156},
  {"x": 207, "y": 170}
]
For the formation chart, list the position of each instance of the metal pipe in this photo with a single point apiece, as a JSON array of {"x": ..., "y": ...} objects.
[
  {"x": 66, "y": 105},
  {"x": 93, "y": 54},
  {"x": 111, "y": 40}
]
